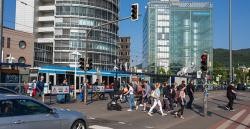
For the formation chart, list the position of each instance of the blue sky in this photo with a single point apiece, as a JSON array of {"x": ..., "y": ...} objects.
[{"x": 240, "y": 23}]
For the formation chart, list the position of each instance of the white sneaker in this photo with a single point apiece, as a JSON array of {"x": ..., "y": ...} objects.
[
  {"x": 129, "y": 110},
  {"x": 141, "y": 105},
  {"x": 181, "y": 117},
  {"x": 164, "y": 114},
  {"x": 150, "y": 114}
]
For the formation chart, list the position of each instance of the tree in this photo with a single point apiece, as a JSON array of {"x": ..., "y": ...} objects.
[{"x": 220, "y": 70}]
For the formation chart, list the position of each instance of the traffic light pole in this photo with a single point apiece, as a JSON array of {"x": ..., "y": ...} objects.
[
  {"x": 86, "y": 50},
  {"x": 205, "y": 94}
]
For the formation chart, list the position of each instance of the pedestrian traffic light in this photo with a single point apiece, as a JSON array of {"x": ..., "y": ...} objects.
[
  {"x": 81, "y": 63},
  {"x": 90, "y": 64},
  {"x": 134, "y": 11},
  {"x": 204, "y": 62}
]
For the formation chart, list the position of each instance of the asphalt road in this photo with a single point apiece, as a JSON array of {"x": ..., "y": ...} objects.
[{"x": 217, "y": 118}]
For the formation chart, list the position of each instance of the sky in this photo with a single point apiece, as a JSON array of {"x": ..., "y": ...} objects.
[{"x": 240, "y": 24}]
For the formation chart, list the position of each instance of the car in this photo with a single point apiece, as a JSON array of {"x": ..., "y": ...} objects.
[
  {"x": 4, "y": 90},
  {"x": 241, "y": 87},
  {"x": 23, "y": 112}
]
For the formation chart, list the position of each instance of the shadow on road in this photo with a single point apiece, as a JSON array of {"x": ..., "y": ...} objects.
[{"x": 227, "y": 102}]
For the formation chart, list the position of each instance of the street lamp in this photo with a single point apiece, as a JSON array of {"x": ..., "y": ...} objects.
[
  {"x": 76, "y": 54},
  {"x": 230, "y": 40}
]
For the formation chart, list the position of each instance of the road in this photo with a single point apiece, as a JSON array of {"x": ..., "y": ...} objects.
[{"x": 218, "y": 117}]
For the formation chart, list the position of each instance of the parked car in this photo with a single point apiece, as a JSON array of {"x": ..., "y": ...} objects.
[
  {"x": 23, "y": 112},
  {"x": 241, "y": 87},
  {"x": 4, "y": 90}
]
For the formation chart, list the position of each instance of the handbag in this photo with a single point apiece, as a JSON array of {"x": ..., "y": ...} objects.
[{"x": 153, "y": 94}]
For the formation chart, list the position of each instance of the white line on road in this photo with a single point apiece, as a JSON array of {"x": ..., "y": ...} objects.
[
  {"x": 230, "y": 121},
  {"x": 98, "y": 127},
  {"x": 122, "y": 123},
  {"x": 246, "y": 121}
]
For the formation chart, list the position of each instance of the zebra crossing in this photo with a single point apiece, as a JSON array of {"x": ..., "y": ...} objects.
[{"x": 240, "y": 120}]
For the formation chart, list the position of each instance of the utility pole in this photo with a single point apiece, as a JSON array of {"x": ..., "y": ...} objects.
[{"x": 230, "y": 40}]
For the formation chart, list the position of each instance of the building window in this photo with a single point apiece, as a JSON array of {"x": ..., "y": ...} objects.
[
  {"x": 2, "y": 42},
  {"x": 22, "y": 44},
  {"x": 21, "y": 60},
  {"x": 8, "y": 42}
]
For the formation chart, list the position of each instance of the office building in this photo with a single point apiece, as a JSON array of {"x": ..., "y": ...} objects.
[{"x": 176, "y": 33}]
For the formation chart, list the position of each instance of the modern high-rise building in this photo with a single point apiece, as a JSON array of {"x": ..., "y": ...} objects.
[
  {"x": 176, "y": 33},
  {"x": 64, "y": 24}
]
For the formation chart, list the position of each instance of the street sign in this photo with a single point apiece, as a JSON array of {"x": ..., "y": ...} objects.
[{"x": 60, "y": 90}]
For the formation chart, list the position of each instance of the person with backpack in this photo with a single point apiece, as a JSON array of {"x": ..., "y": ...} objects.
[{"x": 156, "y": 95}]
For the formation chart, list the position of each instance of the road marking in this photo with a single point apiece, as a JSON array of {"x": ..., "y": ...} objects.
[
  {"x": 122, "y": 123},
  {"x": 230, "y": 121},
  {"x": 149, "y": 127},
  {"x": 91, "y": 118},
  {"x": 246, "y": 121},
  {"x": 98, "y": 127}
]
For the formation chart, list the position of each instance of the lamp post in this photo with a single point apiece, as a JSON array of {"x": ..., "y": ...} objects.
[
  {"x": 230, "y": 41},
  {"x": 76, "y": 54}
]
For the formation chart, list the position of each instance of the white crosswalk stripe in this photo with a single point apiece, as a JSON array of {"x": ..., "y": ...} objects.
[
  {"x": 246, "y": 121},
  {"x": 234, "y": 118},
  {"x": 99, "y": 127}
]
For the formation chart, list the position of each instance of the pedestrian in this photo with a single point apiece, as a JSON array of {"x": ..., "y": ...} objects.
[
  {"x": 146, "y": 95},
  {"x": 40, "y": 87},
  {"x": 180, "y": 100},
  {"x": 131, "y": 97},
  {"x": 33, "y": 89},
  {"x": 166, "y": 96},
  {"x": 231, "y": 95},
  {"x": 156, "y": 95},
  {"x": 190, "y": 92}
]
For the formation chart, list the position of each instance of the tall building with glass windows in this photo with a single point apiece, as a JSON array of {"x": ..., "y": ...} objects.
[
  {"x": 63, "y": 25},
  {"x": 176, "y": 33}
]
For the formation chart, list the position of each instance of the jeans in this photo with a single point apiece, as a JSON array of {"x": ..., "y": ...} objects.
[{"x": 131, "y": 101}]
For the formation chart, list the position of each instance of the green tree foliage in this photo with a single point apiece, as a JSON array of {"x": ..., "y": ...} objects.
[{"x": 220, "y": 70}]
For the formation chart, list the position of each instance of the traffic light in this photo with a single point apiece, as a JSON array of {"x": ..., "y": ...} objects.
[
  {"x": 81, "y": 63},
  {"x": 204, "y": 62},
  {"x": 90, "y": 64},
  {"x": 134, "y": 11}
]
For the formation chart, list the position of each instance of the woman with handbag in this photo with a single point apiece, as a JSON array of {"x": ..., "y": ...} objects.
[{"x": 156, "y": 95}]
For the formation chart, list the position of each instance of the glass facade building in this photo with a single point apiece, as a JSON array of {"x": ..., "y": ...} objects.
[
  {"x": 73, "y": 19},
  {"x": 176, "y": 33}
]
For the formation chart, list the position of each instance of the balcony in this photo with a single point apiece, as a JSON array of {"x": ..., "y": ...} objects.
[
  {"x": 46, "y": 8},
  {"x": 46, "y": 18},
  {"x": 45, "y": 29},
  {"x": 45, "y": 40}
]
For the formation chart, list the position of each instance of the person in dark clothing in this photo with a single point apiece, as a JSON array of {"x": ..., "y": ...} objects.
[
  {"x": 166, "y": 96},
  {"x": 231, "y": 93},
  {"x": 190, "y": 92}
]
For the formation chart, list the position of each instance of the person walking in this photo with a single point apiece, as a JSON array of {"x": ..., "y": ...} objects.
[
  {"x": 166, "y": 97},
  {"x": 156, "y": 95},
  {"x": 190, "y": 92},
  {"x": 231, "y": 95},
  {"x": 40, "y": 87},
  {"x": 146, "y": 95},
  {"x": 181, "y": 100},
  {"x": 131, "y": 97}
]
